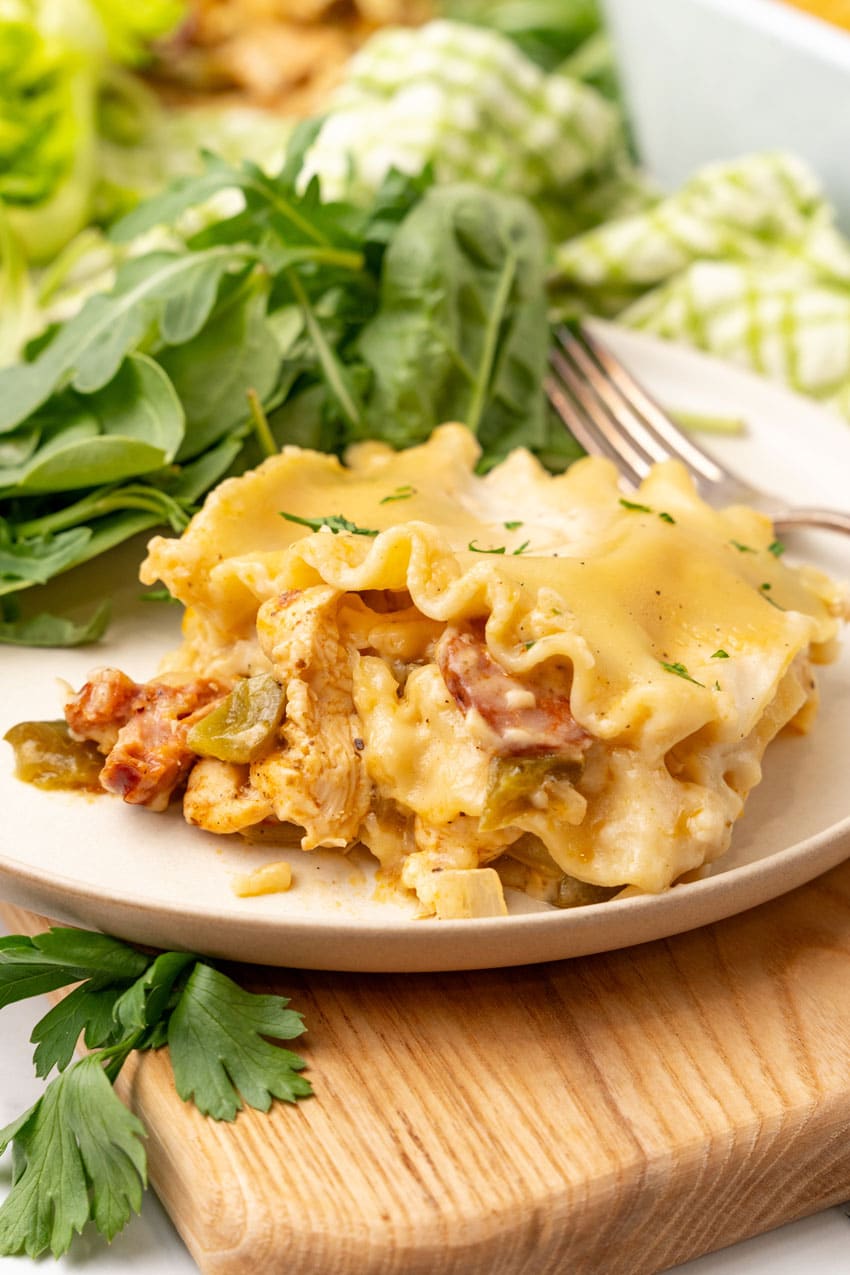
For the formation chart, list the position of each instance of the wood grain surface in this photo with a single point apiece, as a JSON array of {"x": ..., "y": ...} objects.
[{"x": 612, "y": 1115}]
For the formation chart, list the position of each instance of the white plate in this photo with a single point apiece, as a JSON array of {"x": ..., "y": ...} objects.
[{"x": 153, "y": 879}]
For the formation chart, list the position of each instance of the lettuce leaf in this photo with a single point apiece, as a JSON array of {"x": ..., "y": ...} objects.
[{"x": 55, "y": 58}]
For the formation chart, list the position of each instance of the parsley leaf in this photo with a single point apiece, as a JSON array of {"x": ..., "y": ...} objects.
[
  {"x": 777, "y": 548},
  {"x": 764, "y": 590},
  {"x": 219, "y": 1051},
  {"x": 680, "y": 671},
  {"x": 736, "y": 544},
  {"x": 77, "y": 1154},
  {"x": 477, "y": 549},
  {"x": 665, "y": 517},
  {"x": 512, "y": 526},
  {"x": 400, "y": 493},
  {"x": 87, "y": 1012},
  {"x": 30, "y": 967},
  {"x": 336, "y": 522},
  {"x": 631, "y": 504},
  {"x": 720, "y": 654},
  {"x": 79, "y": 1157}
]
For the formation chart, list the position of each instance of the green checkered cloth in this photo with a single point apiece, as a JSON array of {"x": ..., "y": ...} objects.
[
  {"x": 468, "y": 101},
  {"x": 744, "y": 262}
]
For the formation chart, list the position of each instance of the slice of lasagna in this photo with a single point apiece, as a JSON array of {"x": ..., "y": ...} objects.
[{"x": 517, "y": 670}]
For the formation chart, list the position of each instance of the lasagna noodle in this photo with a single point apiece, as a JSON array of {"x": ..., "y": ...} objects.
[{"x": 684, "y": 641}]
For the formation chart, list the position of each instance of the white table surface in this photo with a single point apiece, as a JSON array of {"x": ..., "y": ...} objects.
[{"x": 149, "y": 1245}]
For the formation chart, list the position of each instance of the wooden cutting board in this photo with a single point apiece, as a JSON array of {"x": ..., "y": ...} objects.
[{"x": 612, "y": 1115}]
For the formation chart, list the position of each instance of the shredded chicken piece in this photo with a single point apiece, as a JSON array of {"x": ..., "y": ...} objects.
[
  {"x": 143, "y": 729},
  {"x": 284, "y": 54},
  {"x": 220, "y": 797},
  {"x": 316, "y": 778},
  {"x": 525, "y": 719}
]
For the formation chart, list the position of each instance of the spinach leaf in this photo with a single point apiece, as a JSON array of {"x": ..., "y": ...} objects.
[
  {"x": 461, "y": 333},
  {"x": 235, "y": 352}
]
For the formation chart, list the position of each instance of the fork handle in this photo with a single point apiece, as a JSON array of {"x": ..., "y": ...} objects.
[{"x": 829, "y": 519}]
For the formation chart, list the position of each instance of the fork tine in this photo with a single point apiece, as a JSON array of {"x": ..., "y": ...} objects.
[
  {"x": 657, "y": 433},
  {"x": 580, "y": 425},
  {"x": 592, "y": 425}
]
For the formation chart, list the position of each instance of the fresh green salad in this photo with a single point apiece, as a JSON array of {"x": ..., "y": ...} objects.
[
  {"x": 391, "y": 264},
  {"x": 245, "y": 307}
]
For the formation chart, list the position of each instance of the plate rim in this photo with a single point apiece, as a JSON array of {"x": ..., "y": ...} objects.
[{"x": 541, "y": 934}]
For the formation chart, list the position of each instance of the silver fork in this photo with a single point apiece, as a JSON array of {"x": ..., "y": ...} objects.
[{"x": 610, "y": 414}]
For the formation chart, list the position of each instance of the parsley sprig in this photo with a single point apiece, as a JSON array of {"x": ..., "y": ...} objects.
[
  {"x": 335, "y": 522},
  {"x": 78, "y": 1154}
]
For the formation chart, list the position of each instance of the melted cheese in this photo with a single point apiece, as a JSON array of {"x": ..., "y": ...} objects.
[{"x": 685, "y": 641}]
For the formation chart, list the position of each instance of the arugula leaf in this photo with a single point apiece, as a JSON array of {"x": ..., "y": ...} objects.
[
  {"x": 171, "y": 292},
  {"x": 45, "y": 629},
  {"x": 164, "y": 208},
  {"x": 80, "y": 1157},
  {"x": 219, "y": 1051},
  {"x": 34, "y": 560}
]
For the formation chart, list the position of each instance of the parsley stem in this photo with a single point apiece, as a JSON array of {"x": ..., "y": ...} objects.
[{"x": 119, "y": 1054}]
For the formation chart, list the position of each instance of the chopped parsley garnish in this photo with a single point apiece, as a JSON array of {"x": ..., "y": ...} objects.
[
  {"x": 522, "y": 547},
  {"x": 528, "y": 645},
  {"x": 400, "y": 493},
  {"x": 764, "y": 590},
  {"x": 720, "y": 654},
  {"x": 158, "y": 595},
  {"x": 717, "y": 686},
  {"x": 742, "y": 548},
  {"x": 777, "y": 548},
  {"x": 645, "y": 509},
  {"x": 477, "y": 549},
  {"x": 680, "y": 671},
  {"x": 336, "y": 523},
  {"x": 512, "y": 526}
]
